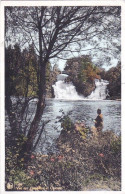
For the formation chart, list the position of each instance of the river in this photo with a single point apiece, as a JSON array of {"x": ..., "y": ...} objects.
[{"x": 80, "y": 110}]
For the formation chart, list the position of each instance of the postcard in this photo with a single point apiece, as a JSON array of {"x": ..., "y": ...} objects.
[{"x": 62, "y": 96}]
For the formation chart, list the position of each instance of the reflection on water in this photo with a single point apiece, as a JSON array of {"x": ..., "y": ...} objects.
[{"x": 81, "y": 110}]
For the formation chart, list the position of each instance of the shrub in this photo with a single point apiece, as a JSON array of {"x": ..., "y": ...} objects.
[
  {"x": 14, "y": 162},
  {"x": 66, "y": 123},
  {"x": 116, "y": 145}
]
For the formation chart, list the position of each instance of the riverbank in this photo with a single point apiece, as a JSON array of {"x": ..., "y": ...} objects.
[
  {"x": 82, "y": 164},
  {"x": 113, "y": 98},
  {"x": 98, "y": 159}
]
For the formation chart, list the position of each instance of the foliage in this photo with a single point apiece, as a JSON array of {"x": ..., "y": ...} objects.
[
  {"x": 73, "y": 168},
  {"x": 21, "y": 71},
  {"x": 82, "y": 69},
  {"x": 20, "y": 179},
  {"x": 97, "y": 157},
  {"x": 108, "y": 154},
  {"x": 82, "y": 129},
  {"x": 12, "y": 152},
  {"x": 113, "y": 75},
  {"x": 66, "y": 123},
  {"x": 82, "y": 72},
  {"x": 116, "y": 146},
  {"x": 88, "y": 71},
  {"x": 15, "y": 164},
  {"x": 17, "y": 174}
]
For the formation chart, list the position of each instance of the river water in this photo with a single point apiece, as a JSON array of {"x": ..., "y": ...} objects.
[{"x": 80, "y": 110}]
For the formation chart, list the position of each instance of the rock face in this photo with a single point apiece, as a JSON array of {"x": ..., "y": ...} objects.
[{"x": 82, "y": 73}]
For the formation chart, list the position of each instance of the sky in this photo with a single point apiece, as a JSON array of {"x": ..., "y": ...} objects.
[{"x": 61, "y": 63}]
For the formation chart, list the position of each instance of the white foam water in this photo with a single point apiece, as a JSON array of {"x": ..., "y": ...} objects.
[
  {"x": 63, "y": 90},
  {"x": 100, "y": 92}
]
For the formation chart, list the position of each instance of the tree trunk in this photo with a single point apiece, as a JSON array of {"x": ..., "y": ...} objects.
[
  {"x": 39, "y": 111},
  {"x": 41, "y": 97}
]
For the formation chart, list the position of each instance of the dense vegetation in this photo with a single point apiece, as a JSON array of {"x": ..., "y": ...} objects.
[
  {"x": 82, "y": 72},
  {"x": 22, "y": 69},
  {"x": 113, "y": 75}
]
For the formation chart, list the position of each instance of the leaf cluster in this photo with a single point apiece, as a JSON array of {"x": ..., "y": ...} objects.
[
  {"x": 66, "y": 123},
  {"x": 116, "y": 146}
]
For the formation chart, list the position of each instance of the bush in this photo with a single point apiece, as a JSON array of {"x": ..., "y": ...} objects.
[
  {"x": 66, "y": 123},
  {"x": 82, "y": 129},
  {"x": 116, "y": 145},
  {"x": 14, "y": 162}
]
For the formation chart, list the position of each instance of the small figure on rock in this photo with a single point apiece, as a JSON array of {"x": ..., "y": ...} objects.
[{"x": 98, "y": 124}]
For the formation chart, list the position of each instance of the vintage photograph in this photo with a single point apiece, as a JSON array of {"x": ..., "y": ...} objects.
[{"x": 62, "y": 98}]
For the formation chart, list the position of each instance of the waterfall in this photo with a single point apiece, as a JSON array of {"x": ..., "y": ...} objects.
[
  {"x": 100, "y": 91},
  {"x": 63, "y": 90}
]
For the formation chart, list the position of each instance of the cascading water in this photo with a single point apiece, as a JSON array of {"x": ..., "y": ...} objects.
[
  {"x": 63, "y": 90},
  {"x": 100, "y": 92}
]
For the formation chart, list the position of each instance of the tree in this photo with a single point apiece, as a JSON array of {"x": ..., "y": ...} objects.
[
  {"x": 113, "y": 75},
  {"x": 82, "y": 73},
  {"x": 53, "y": 31}
]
